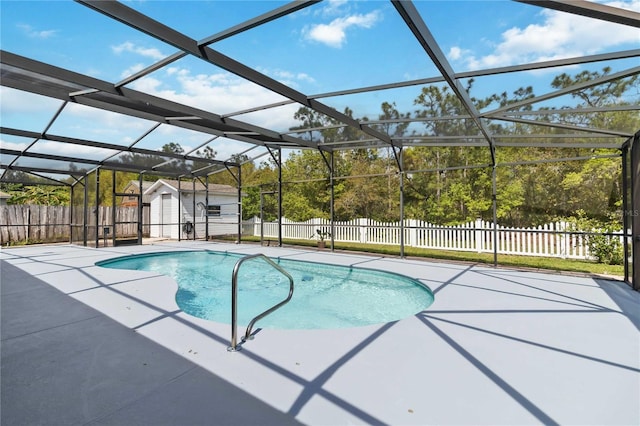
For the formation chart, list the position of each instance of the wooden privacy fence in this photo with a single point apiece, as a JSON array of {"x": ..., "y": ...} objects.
[
  {"x": 550, "y": 240},
  {"x": 36, "y": 223},
  {"x": 20, "y": 223}
]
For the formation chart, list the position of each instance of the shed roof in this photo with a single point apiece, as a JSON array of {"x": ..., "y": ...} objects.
[
  {"x": 189, "y": 187},
  {"x": 146, "y": 184}
]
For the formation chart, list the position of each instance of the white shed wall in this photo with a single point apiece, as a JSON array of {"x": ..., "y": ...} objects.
[
  {"x": 156, "y": 228},
  {"x": 227, "y": 222},
  {"x": 224, "y": 224}
]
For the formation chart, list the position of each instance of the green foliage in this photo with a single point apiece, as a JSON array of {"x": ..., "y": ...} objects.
[
  {"x": 173, "y": 148},
  {"x": 453, "y": 184},
  {"x": 605, "y": 248},
  {"x": 443, "y": 196},
  {"x": 308, "y": 196},
  {"x": 598, "y": 95},
  {"x": 251, "y": 203},
  {"x": 321, "y": 234},
  {"x": 49, "y": 195},
  {"x": 442, "y": 184},
  {"x": 206, "y": 152}
]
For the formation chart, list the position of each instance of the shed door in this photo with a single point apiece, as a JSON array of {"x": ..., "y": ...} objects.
[{"x": 165, "y": 211}]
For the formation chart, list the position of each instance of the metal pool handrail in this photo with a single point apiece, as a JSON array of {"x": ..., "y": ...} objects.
[{"x": 234, "y": 300}]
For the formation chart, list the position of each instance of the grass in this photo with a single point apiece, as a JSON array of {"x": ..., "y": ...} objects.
[{"x": 535, "y": 262}]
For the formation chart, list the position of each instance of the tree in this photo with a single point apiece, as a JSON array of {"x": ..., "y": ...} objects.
[
  {"x": 49, "y": 195},
  {"x": 449, "y": 196},
  {"x": 310, "y": 198},
  {"x": 608, "y": 93},
  {"x": 365, "y": 189},
  {"x": 256, "y": 180},
  {"x": 394, "y": 124},
  {"x": 453, "y": 184},
  {"x": 206, "y": 152},
  {"x": 558, "y": 189},
  {"x": 172, "y": 147}
]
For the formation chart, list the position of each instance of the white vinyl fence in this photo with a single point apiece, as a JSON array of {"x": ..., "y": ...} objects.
[{"x": 550, "y": 240}]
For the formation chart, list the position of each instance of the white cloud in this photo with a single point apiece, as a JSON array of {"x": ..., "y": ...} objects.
[
  {"x": 129, "y": 47},
  {"x": 33, "y": 33},
  {"x": 14, "y": 101},
  {"x": 84, "y": 122},
  {"x": 456, "y": 53},
  {"x": 334, "y": 33},
  {"x": 333, "y": 7},
  {"x": 559, "y": 35},
  {"x": 73, "y": 150},
  {"x": 13, "y": 145},
  {"x": 57, "y": 148},
  {"x": 112, "y": 122},
  {"x": 222, "y": 93},
  {"x": 219, "y": 93},
  {"x": 132, "y": 70},
  {"x": 289, "y": 78}
]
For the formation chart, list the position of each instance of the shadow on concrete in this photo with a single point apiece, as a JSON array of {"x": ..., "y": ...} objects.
[
  {"x": 311, "y": 388},
  {"x": 63, "y": 362},
  {"x": 625, "y": 297}
]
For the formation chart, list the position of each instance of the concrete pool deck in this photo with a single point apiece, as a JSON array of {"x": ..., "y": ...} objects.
[{"x": 88, "y": 345}]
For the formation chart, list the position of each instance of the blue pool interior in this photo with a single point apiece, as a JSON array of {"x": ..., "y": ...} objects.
[{"x": 326, "y": 296}]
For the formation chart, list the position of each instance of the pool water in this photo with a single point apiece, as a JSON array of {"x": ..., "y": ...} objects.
[{"x": 325, "y": 296}]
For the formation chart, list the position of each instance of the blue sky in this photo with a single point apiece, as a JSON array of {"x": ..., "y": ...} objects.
[{"x": 332, "y": 46}]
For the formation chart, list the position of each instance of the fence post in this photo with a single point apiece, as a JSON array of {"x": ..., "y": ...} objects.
[
  {"x": 362, "y": 228},
  {"x": 478, "y": 235},
  {"x": 256, "y": 226},
  {"x": 562, "y": 227},
  {"x": 413, "y": 232}
]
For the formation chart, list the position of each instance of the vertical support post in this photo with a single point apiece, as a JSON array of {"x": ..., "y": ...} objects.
[
  {"x": 625, "y": 209},
  {"x": 279, "y": 197},
  {"x": 401, "y": 170},
  {"x": 113, "y": 207},
  {"x": 634, "y": 212},
  {"x": 398, "y": 157},
  {"x": 71, "y": 188},
  {"x": 261, "y": 218},
  {"x": 179, "y": 210},
  {"x": 494, "y": 197},
  {"x": 239, "y": 207},
  {"x": 85, "y": 210},
  {"x": 140, "y": 209},
  {"x": 206, "y": 208},
  {"x": 330, "y": 165},
  {"x": 332, "y": 211},
  {"x": 238, "y": 179},
  {"x": 193, "y": 205},
  {"x": 278, "y": 161},
  {"x": 97, "y": 206}
]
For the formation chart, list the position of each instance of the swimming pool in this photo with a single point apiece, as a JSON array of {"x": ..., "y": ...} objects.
[{"x": 325, "y": 296}]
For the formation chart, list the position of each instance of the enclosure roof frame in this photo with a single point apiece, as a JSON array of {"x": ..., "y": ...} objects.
[{"x": 28, "y": 75}]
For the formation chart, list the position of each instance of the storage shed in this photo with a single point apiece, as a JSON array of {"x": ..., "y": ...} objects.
[{"x": 186, "y": 210}]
